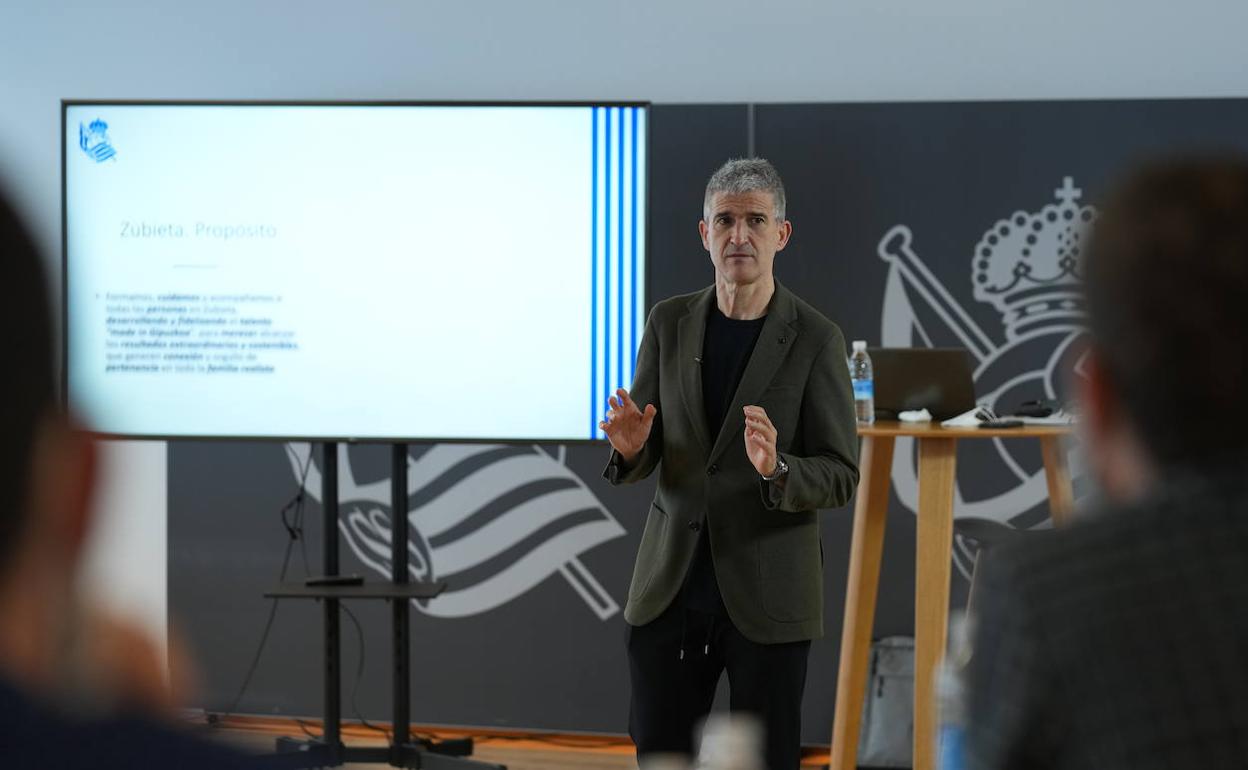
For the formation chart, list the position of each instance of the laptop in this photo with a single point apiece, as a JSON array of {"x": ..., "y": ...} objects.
[{"x": 935, "y": 379}]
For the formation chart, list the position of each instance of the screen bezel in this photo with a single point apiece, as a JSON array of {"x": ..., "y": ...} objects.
[{"x": 64, "y": 315}]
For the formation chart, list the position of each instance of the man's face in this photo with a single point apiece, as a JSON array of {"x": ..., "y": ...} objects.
[{"x": 743, "y": 235}]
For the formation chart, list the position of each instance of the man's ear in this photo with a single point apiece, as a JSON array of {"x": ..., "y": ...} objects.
[
  {"x": 704, "y": 230},
  {"x": 63, "y": 476},
  {"x": 786, "y": 232},
  {"x": 1099, "y": 410},
  {"x": 1118, "y": 460}
]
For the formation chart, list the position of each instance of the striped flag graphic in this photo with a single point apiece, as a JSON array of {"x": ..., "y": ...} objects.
[{"x": 492, "y": 521}]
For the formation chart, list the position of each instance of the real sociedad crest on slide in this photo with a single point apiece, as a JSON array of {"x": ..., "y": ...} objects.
[
  {"x": 94, "y": 141},
  {"x": 492, "y": 521},
  {"x": 1026, "y": 267}
]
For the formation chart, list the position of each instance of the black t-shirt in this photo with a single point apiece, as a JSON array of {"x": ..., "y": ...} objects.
[{"x": 726, "y": 350}]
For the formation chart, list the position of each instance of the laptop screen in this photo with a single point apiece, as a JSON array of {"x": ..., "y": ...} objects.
[{"x": 935, "y": 379}]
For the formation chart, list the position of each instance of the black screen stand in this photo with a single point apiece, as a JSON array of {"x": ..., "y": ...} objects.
[{"x": 328, "y": 750}]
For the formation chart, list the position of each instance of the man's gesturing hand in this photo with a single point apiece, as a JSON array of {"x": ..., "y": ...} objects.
[
  {"x": 626, "y": 426},
  {"x": 760, "y": 440}
]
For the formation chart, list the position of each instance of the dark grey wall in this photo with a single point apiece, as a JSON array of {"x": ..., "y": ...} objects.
[{"x": 545, "y": 659}]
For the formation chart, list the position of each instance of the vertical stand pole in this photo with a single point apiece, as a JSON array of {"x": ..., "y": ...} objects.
[
  {"x": 329, "y": 555},
  {"x": 399, "y": 607}
]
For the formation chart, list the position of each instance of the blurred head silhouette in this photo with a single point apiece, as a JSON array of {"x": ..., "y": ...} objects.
[
  {"x": 47, "y": 471},
  {"x": 1166, "y": 277}
]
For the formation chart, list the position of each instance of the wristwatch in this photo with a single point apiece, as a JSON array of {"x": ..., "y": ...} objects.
[{"x": 781, "y": 468}]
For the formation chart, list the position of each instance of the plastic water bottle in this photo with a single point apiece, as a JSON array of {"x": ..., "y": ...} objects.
[
  {"x": 951, "y": 696},
  {"x": 951, "y": 738},
  {"x": 731, "y": 742},
  {"x": 863, "y": 378}
]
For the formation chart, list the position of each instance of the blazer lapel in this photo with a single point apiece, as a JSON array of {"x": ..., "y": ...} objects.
[
  {"x": 774, "y": 343},
  {"x": 691, "y": 329}
]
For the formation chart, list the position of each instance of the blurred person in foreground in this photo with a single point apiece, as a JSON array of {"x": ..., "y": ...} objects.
[
  {"x": 1122, "y": 642},
  {"x": 77, "y": 688}
]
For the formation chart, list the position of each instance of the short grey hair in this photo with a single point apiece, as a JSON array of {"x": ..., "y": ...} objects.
[{"x": 742, "y": 175}]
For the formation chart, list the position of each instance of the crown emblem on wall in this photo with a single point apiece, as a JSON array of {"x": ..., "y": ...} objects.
[{"x": 1027, "y": 265}]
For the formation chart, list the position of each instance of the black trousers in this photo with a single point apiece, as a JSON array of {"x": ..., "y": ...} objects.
[{"x": 671, "y": 694}]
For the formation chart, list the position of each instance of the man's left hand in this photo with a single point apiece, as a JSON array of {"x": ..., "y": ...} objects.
[{"x": 760, "y": 440}]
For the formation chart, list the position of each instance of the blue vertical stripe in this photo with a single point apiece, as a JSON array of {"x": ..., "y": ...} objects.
[
  {"x": 619, "y": 250},
  {"x": 594, "y": 393},
  {"x": 632, "y": 318},
  {"x": 606, "y": 252}
]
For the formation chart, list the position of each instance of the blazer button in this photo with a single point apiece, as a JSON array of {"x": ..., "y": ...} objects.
[
  {"x": 695, "y": 526},
  {"x": 711, "y": 471}
]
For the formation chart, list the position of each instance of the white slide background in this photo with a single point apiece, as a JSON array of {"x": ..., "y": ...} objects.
[{"x": 431, "y": 266}]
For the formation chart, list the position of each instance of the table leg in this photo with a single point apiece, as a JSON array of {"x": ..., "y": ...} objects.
[
  {"x": 937, "y": 462},
  {"x": 866, "y": 548},
  {"x": 1056, "y": 473}
]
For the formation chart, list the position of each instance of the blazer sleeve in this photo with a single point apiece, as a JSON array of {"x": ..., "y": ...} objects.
[
  {"x": 645, "y": 390},
  {"x": 827, "y": 475}
]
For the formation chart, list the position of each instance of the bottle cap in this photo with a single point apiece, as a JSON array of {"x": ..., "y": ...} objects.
[{"x": 860, "y": 345}]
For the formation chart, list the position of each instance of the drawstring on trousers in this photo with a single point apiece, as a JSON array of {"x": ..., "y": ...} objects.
[
  {"x": 684, "y": 633},
  {"x": 684, "y": 629}
]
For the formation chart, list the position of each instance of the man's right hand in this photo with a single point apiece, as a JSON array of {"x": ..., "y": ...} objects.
[{"x": 626, "y": 426}]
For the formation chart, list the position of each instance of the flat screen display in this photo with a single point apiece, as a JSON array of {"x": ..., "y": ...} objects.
[{"x": 350, "y": 271}]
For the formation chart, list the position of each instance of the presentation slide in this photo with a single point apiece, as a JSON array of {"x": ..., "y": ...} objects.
[{"x": 351, "y": 271}]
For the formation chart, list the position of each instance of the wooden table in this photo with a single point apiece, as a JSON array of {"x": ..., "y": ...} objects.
[{"x": 937, "y": 461}]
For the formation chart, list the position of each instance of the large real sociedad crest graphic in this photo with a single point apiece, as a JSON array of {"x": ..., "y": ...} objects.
[
  {"x": 492, "y": 521},
  {"x": 1026, "y": 267}
]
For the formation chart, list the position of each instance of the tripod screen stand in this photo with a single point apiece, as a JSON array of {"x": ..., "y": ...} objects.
[{"x": 328, "y": 750}]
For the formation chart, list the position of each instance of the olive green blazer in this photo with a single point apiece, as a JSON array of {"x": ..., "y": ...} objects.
[{"x": 764, "y": 536}]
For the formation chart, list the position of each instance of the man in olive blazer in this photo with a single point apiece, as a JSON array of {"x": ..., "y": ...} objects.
[
  {"x": 747, "y": 490},
  {"x": 764, "y": 535}
]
